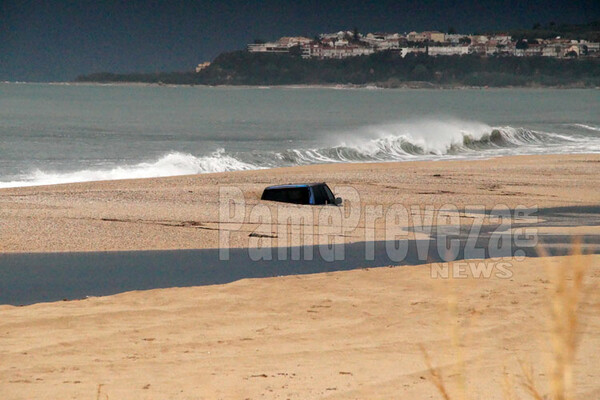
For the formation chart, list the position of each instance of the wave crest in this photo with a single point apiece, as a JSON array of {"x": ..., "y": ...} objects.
[
  {"x": 407, "y": 146},
  {"x": 392, "y": 142},
  {"x": 588, "y": 127},
  {"x": 172, "y": 164}
]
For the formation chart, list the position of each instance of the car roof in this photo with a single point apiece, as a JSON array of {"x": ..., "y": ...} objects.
[{"x": 295, "y": 185}]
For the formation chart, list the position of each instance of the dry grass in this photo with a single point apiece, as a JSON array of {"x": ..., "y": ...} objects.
[
  {"x": 528, "y": 382},
  {"x": 99, "y": 392},
  {"x": 508, "y": 386},
  {"x": 436, "y": 376},
  {"x": 568, "y": 288}
]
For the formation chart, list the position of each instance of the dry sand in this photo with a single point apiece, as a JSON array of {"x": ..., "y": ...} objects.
[{"x": 343, "y": 335}]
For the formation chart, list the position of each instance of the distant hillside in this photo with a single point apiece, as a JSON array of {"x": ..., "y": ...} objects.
[
  {"x": 386, "y": 69},
  {"x": 589, "y": 31},
  {"x": 170, "y": 78}
]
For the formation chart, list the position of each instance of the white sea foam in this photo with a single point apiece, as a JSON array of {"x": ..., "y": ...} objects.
[
  {"x": 169, "y": 165},
  {"x": 588, "y": 127},
  {"x": 421, "y": 139},
  {"x": 409, "y": 140}
]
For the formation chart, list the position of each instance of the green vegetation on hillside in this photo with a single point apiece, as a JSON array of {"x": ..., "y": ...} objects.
[
  {"x": 589, "y": 31},
  {"x": 386, "y": 69}
]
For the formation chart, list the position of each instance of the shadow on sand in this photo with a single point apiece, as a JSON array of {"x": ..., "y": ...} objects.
[{"x": 32, "y": 278}]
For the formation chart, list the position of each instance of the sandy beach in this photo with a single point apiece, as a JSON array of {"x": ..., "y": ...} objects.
[
  {"x": 183, "y": 212},
  {"x": 347, "y": 335},
  {"x": 357, "y": 334}
]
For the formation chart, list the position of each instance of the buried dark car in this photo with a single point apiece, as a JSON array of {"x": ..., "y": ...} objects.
[{"x": 307, "y": 193}]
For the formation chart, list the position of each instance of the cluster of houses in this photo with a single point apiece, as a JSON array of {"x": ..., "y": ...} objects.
[{"x": 348, "y": 44}]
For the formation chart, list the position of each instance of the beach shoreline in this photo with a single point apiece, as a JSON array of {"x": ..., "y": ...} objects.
[
  {"x": 363, "y": 333},
  {"x": 416, "y": 85},
  {"x": 182, "y": 212}
]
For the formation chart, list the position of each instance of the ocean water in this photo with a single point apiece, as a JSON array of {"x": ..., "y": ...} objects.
[{"x": 53, "y": 134}]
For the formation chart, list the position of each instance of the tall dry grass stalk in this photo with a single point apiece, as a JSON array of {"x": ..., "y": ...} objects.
[
  {"x": 99, "y": 392},
  {"x": 436, "y": 376},
  {"x": 568, "y": 291},
  {"x": 567, "y": 284},
  {"x": 508, "y": 386},
  {"x": 449, "y": 289},
  {"x": 528, "y": 382}
]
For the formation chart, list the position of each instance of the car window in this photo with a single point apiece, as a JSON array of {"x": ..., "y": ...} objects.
[
  {"x": 320, "y": 195},
  {"x": 288, "y": 195},
  {"x": 330, "y": 196},
  {"x": 298, "y": 195}
]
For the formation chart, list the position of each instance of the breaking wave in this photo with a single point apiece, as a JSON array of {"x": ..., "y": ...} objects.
[
  {"x": 588, "y": 127},
  {"x": 428, "y": 140},
  {"x": 169, "y": 165},
  {"x": 418, "y": 140}
]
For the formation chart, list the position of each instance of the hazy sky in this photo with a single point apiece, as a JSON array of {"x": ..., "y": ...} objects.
[{"x": 58, "y": 40}]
